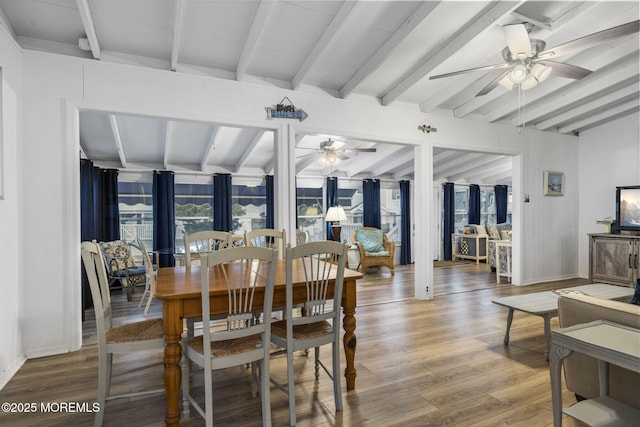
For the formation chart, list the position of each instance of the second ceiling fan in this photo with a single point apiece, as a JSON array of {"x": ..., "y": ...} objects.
[
  {"x": 332, "y": 152},
  {"x": 529, "y": 61}
]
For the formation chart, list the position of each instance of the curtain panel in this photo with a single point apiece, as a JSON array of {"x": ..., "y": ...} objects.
[
  {"x": 371, "y": 203},
  {"x": 164, "y": 218},
  {"x": 474, "y": 204},
  {"x": 502, "y": 194},
  {"x": 449, "y": 221},
  {"x": 222, "y": 202},
  {"x": 332, "y": 200},
  {"x": 268, "y": 179},
  {"x": 405, "y": 222}
]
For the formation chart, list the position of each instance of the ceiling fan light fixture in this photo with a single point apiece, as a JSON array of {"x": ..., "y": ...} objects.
[
  {"x": 506, "y": 82},
  {"x": 540, "y": 72},
  {"x": 518, "y": 74},
  {"x": 329, "y": 159},
  {"x": 529, "y": 82}
]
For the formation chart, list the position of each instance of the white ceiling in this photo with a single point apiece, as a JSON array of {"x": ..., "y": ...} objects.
[{"x": 380, "y": 51}]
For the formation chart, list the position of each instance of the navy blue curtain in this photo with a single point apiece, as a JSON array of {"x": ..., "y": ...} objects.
[
  {"x": 268, "y": 182},
  {"x": 449, "y": 225},
  {"x": 109, "y": 211},
  {"x": 474, "y": 204},
  {"x": 332, "y": 200},
  {"x": 371, "y": 203},
  {"x": 164, "y": 218},
  {"x": 405, "y": 222},
  {"x": 222, "y": 202},
  {"x": 502, "y": 192}
]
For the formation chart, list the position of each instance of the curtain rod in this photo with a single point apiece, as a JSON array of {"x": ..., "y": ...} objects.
[{"x": 480, "y": 185}]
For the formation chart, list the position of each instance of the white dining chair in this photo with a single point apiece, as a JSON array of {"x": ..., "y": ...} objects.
[
  {"x": 143, "y": 335},
  {"x": 318, "y": 323}
]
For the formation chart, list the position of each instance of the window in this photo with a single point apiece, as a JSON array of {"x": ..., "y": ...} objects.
[
  {"x": 390, "y": 213},
  {"x": 461, "y": 207},
  {"x": 249, "y": 208},
  {"x": 194, "y": 210},
  {"x": 136, "y": 211},
  {"x": 310, "y": 213}
]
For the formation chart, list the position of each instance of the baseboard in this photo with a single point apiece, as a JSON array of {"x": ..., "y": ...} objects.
[
  {"x": 48, "y": 351},
  {"x": 6, "y": 376},
  {"x": 548, "y": 279}
]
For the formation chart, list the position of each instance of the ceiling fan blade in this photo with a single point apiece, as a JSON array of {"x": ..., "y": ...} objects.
[
  {"x": 359, "y": 150},
  {"x": 341, "y": 156},
  {"x": 591, "y": 40},
  {"x": 518, "y": 40},
  {"x": 566, "y": 70},
  {"x": 468, "y": 70},
  {"x": 493, "y": 84}
]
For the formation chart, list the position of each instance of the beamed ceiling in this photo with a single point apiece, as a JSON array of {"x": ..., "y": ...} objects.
[{"x": 374, "y": 51}]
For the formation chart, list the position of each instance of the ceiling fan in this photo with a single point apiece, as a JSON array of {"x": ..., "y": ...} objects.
[
  {"x": 529, "y": 62},
  {"x": 331, "y": 152}
]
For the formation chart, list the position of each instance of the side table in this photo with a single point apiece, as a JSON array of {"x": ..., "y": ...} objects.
[
  {"x": 609, "y": 343},
  {"x": 506, "y": 244}
]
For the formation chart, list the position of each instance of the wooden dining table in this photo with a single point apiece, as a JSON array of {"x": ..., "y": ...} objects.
[{"x": 179, "y": 290}]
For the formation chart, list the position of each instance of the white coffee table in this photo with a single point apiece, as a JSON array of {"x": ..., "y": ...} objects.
[{"x": 545, "y": 305}]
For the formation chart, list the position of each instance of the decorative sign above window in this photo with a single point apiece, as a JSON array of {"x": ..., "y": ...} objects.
[{"x": 285, "y": 110}]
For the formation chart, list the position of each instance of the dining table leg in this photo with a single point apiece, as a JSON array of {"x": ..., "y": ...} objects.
[
  {"x": 172, "y": 321},
  {"x": 349, "y": 340}
]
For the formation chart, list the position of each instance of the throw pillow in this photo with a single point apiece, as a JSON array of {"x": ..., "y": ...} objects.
[
  {"x": 636, "y": 295},
  {"x": 371, "y": 240},
  {"x": 505, "y": 235},
  {"x": 480, "y": 230},
  {"x": 493, "y": 231}
]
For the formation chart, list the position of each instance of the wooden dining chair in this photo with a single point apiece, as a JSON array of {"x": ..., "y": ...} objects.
[
  {"x": 247, "y": 274},
  {"x": 267, "y": 238},
  {"x": 318, "y": 323},
  {"x": 143, "y": 335},
  {"x": 150, "y": 287},
  {"x": 203, "y": 242}
]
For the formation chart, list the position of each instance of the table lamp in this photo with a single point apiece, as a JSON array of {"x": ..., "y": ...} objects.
[{"x": 335, "y": 214}]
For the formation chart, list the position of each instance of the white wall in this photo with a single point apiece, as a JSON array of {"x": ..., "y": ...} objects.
[
  {"x": 609, "y": 157},
  {"x": 11, "y": 282},
  {"x": 53, "y": 85}
]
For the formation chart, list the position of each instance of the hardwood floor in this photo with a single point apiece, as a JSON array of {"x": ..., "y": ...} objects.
[{"x": 419, "y": 363}]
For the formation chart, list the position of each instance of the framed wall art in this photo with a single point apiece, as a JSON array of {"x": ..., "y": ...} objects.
[{"x": 553, "y": 183}]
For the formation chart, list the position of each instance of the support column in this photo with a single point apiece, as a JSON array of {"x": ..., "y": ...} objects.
[
  {"x": 424, "y": 228},
  {"x": 285, "y": 180}
]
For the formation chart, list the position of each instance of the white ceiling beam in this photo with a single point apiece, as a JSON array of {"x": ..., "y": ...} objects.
[
  {"x": 168, "y": 132},
  {"x": 381, "y": 55},
  {"x": 305, "y": 162},
  {"x": 430, "y": 61},
  {"x": 623, "y": 109},
  {"x": 575, "y": 92},
  {"x": 406, "y": 172},
  {"x": 248, "y": 50},
  {"x": 501, "y": 177},
  {"x": 177, "y": 32},
  {"x": 89, "y": 28},
  {"x": 115, "y": 130},
  {"x": 338, "y": 23},
  {"x": 210, "y": 147},
  {"x": 247, "y": 152},
  {"x": 463, "y": 161},
  {"x": 589, "y": 107},
  {"x": 365, "y": 160}
]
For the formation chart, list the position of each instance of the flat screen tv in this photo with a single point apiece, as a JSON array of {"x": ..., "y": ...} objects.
[{"x": 628, "y": 208}]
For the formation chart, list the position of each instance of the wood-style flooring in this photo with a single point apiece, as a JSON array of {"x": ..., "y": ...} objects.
[{"x": 419, "y": 363}]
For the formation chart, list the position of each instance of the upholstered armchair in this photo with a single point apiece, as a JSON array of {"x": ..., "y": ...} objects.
[{"x": 375, "y": 248}]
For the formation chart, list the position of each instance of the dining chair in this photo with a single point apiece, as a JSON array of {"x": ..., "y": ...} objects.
[
  {"x": 318, "y": 323},
  {"x": 247, "y": 275},
  {"x": 301, "y": 237},
  {"x": 204, "y": 241},
  {"x": 150, "y": 287},
  {"x": 267, "y": 238},
  {"x": 143, "y": 335}
]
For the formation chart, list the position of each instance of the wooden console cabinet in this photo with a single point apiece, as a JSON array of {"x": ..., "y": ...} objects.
[{"x": 614, "y": 258}]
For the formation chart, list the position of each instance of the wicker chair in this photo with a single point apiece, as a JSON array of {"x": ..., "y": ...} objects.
[{"x": 378, "y": 258}]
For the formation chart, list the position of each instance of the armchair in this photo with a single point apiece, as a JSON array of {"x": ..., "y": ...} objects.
[
  {"x": 121, "y": 266},
  {"x": 375, "y": 248}
]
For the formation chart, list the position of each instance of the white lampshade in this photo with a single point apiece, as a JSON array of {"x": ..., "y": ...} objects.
[
  {"x": 540, "y": 72},
  {"x": 529, "y": 82},
  {"x": 506, "y": 82},
  {"x": 336, "y": 213}
]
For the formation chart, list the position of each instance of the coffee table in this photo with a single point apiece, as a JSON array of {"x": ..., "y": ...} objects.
[{"x": 545, "y": 304}]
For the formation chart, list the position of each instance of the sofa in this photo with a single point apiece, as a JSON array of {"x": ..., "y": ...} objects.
[
  {"x": 494, "y": 232},
  {"x": 581, "y": 372}
]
